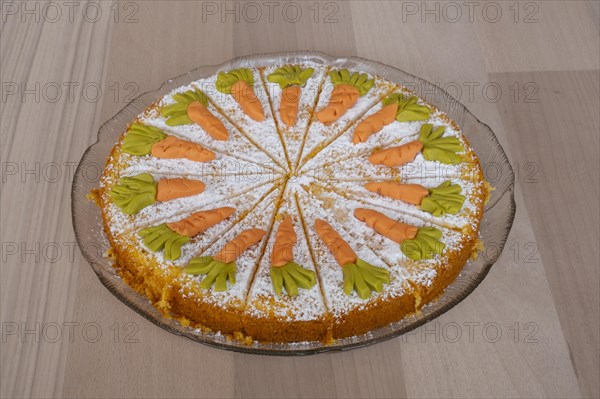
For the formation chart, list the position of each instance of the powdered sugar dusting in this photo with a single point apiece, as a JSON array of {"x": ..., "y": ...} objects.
[
  {"x": 246, "y": 263},
  {"x": 243, "y": 204},
  {"x": 263, "y": 133},
  {"x": 252, "y": 168},
  {"x": 342, "y": 210},
  {"x": 330, "y": 272},
  {"x": 293, "y": 136},
  {"x": 262, "y": 300},
  {"x": 344, "y": 160},
  {"x": 237, "y": 145},
  {"x": 468, "y": 214},
  {"x": 318, "y": 133}
]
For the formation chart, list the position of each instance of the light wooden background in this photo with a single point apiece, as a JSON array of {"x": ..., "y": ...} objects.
[{"x": 543, "y": 294}]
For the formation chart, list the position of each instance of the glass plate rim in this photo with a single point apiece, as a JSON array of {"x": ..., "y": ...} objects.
[{"x": 260, "y": 59}]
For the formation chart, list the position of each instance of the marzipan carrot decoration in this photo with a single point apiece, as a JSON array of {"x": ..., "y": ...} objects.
[
  {"x": 221, "y": 267},
  {"x": 137, "y": 192},
  {"x": 240, "y": 84},
  {"x": 430, "y": 142},
  {"x": 395, "y": 107},
  {"x": 347, "y": 88},
  {"x": 234, "y": 248},
  {"x": 444, "y": 199},
  {"x": 338, "y": 247},
  {"x": 441, "y": 200},
  {"x": 161, "y": 238},
  {"x": 169, "y": 237},
  {"x": 416, "y": 243},
  {"x": 411, "y": 193},
  {"x": 134, "y": 193},
  {"x": 291, "y": 79},
  {"x": 394, "y": 230},
  {"x": 173, "y": 148},
  {"x": 192, "y": 106},
  {"x": 199, "y": 222},
  {"x": 207, "y": 121},
  {"x": 288, "y": 107},
  {"x": 374, "y": 123},
  {"x": 140, "y": 139},
  {"x": 169, "y": 189},
  {"x": 143, "y": 140},
  {"x": 359, "y": 275},
  {"x": 409, "y": 110},
  {"x": 284, "y": 272},
  {"x": 285, "y": 240},
  {"x": 397, "y": 156}
]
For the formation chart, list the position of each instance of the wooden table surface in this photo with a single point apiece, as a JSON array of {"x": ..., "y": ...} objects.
[{"x": 528, "y": 69}]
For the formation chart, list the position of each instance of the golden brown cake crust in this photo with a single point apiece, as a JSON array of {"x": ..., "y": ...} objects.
[
  {"x": 377, "y": 314},
  {"x": 271, "y": 329}
]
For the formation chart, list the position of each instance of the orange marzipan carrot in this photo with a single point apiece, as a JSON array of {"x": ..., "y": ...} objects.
[
  {"x": 246, "y": 98},
  {"x": 288, "y": 107},
  {"x": 411, "y": 193},
  {"x": 234, "y": 248},
  {"x": 392, "y": 229},
  {"x": 339, "y": 248},
  {"x": 172, "y": 148},
  {"x": 374, "y": 123},
  {"x": 201, "y": 221},
  {"x": 197, "y": 112},
  {"x": 397, "y": 156},
  {"x": 169, "y": 189},
  {"x": 285, "y": 239},
  {"x": 343, "y": 97}
]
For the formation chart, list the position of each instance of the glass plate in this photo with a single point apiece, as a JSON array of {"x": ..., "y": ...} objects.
[{"x": 495, "y": 226}]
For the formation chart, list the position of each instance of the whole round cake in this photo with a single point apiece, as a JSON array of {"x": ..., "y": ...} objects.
[{"x": 291, "y": 203}]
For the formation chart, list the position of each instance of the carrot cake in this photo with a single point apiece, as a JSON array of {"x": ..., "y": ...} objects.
[{"x": 291, "y": 203}]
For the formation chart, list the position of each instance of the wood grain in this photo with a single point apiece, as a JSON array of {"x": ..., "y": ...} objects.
[
  {"x": 561, "y": 194},
  {"x": 537, "y": 294},
  {"x": 428, "y": 347},
  {"x": 534, "y": 36},
  {"x": 44, "y": 132}
]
